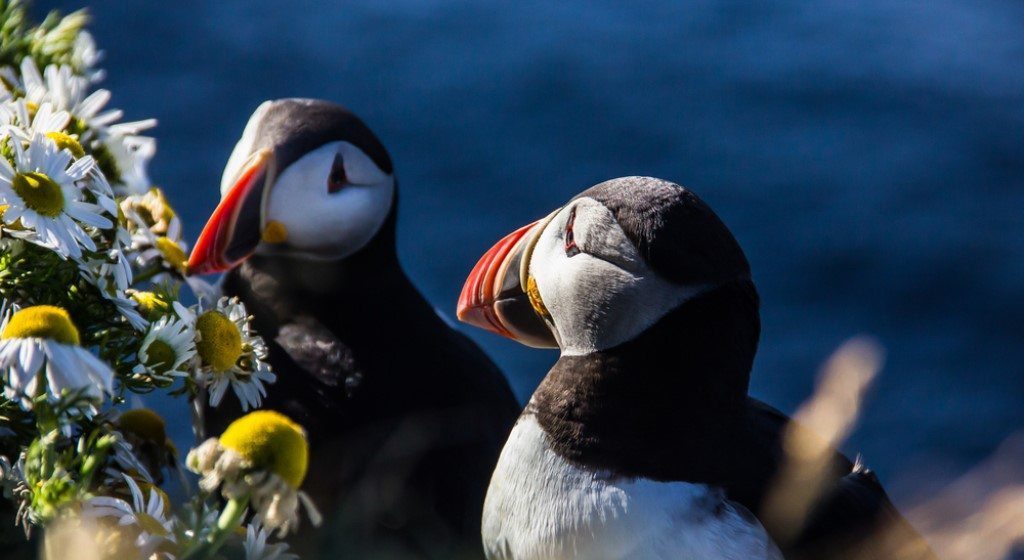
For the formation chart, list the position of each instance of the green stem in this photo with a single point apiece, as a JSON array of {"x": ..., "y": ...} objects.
[
  {"x": 146, "y": 274},
  {"x": 226, "y": 523}
]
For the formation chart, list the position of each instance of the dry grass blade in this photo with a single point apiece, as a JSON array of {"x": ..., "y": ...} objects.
[
  {"x": 981, "y": 515},
  {"x": 817, "y": 428}
]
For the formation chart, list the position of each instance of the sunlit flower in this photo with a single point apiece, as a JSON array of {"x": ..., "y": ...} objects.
[
  {"x": 25, "y": 123},
  {"x": 43, "y": 204},
  {"x": 257, "y": 548},
  {"x": 230, "y": 353},
  {"x": 42, "y": 339},
  {"x": 147, "y": 515},
  {"x": 261, "y": 457},
  {"x": 85, "y": 56},
  {"x": 152, "y": 211},
  {"x": 167, "y": 349},
  {"x": 69, "y": 92}
]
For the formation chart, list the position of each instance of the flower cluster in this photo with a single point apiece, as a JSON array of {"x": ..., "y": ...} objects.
[{"x": 93, "y": 310}]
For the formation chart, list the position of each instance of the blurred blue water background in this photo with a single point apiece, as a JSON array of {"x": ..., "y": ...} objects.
[{"x": 868, "y": 155}]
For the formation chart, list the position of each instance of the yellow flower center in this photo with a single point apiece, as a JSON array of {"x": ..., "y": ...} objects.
[
  {"x": 39, "y": 192},
  {"x": 151, "y": 306},
  {"x": 144, "y": 423},
  {"x": 172, "y": 252},
  {"x": 67, "y": 142},
  {"x": 42, "y": 321},
  {"x": 220, "y": 341},
  {"x": 149, "y": 524},
  {"x": 270, "y": 440},
  {"x": 160, "y": 356}
]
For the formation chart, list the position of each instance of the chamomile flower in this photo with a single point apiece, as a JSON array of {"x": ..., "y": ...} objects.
[
  {"x": 43, "y": 203},
  {"x": 257, "y": 547},
  {"x": 131, "y": 154},
  {"x": 85, "y": 56},
  {"x": 155, "y": 234},
  {"x": 40, "y": 354},
  {"x": 152, "y": 211},
  {"x": 167, "y": 349},
  {"x": 148, "y": 516},
  {"x": 25, "y": 122},
  {"x": 146, "y": 432},
  {"x": 230, "y": 353},
  {"x": 260, "y": 458},
  {"x": 69, "y": 92},
  {"x": 112, "y": 276}
]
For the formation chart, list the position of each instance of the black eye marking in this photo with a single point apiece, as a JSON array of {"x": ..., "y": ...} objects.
[
  {"x": 571, "y": 250},
  {"x": 337, "y": 179}
]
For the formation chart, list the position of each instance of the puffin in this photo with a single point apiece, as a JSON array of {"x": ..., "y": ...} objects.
[
  {"x": 405, "y": 415},
  {"x": 641, "y": 442}
]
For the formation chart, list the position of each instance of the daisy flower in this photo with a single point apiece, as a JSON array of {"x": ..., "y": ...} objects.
[
  {"x": 230, "y": 353},
  {"x": 260, "y": 459},
  {"x": 167, "y": 349},
  {"x": 146, "y": 433},
  {"x": 85, "y": 56},
  {"x": 152, "y": 211},
  {"x": 44, "y": 205},
  {"x": 155, "y": 233},
  {"x": 40, "y": 354},
  {"x": 69, "y": 92},
  {"x": 148, "y": 516},
  {"x": 112, "y": 278},
  {"x": 257, "y": 548},
  {"x": 132, "y": 153},
  {"x": 24, "y": 122}
]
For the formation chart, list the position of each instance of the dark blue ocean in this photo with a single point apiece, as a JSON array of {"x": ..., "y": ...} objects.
[{"x": 869, "y": 156}]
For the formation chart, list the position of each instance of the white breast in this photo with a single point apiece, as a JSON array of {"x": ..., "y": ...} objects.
[{"x": 540, "y": 507}]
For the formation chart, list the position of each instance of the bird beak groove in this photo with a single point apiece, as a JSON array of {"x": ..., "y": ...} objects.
[
  {"x": 495, "y": 297},
  {"x": 235, "y": 228}
]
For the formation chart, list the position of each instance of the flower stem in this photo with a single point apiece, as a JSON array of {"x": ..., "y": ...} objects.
[{"x": 226, "y": 523}]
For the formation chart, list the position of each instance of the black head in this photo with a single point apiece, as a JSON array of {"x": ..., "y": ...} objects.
[{"x": 308, "y": 179}]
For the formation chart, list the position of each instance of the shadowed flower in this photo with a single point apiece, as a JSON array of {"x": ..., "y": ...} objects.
[
  {"x": 261, "y": 458},
  {"x": 257, "y": 548},
  {"x": 146, "y": 516},
  {"x": 167, "y": 349},
  {"x": 146, "y": 432}
]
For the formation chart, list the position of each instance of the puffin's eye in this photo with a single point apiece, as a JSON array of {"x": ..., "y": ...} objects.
[
  {"x": 571, "y": 250},
  {"x": 337, "y": 179}
]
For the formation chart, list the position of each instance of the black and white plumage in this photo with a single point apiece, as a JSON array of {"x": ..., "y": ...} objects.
[
  {"x": 641, "y": 442},
  {"x": 405, "y": 416}
]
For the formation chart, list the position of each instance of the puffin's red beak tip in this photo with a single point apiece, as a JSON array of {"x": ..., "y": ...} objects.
[
  {"x": 243, "y": 201},
  {"x": 476, "y": 302}
]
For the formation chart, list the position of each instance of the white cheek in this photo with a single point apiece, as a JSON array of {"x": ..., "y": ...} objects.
[
  {"x": 321, "y": 224},
  {"x": 594, "y": 303}
]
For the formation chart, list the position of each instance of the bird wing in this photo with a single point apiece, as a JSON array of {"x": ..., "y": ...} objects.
[{"x": 853, "y": 519}]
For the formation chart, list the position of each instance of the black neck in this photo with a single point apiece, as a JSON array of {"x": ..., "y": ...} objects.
[
  {"x": 680, "y": 384},
  {"x": 360, "y": 285}
]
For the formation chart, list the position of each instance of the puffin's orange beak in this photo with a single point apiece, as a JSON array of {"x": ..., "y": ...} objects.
[
  {"x": 234, "y": 229},
  {"x": 494, "y": 298}
]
